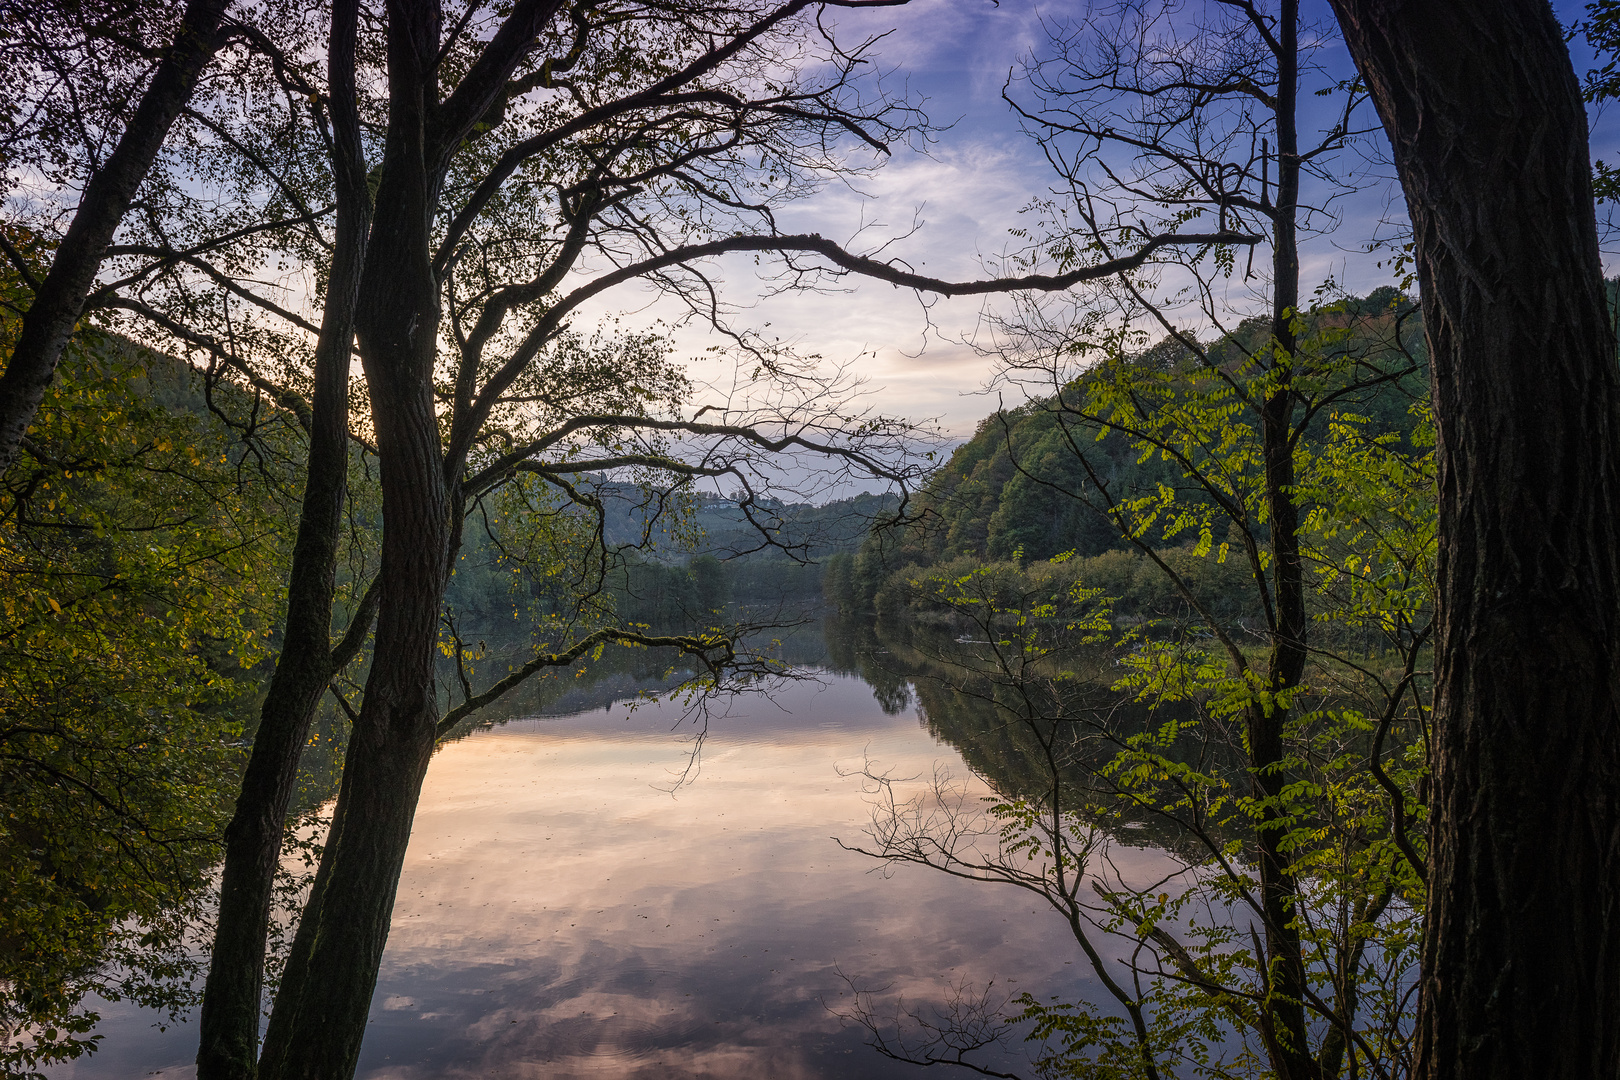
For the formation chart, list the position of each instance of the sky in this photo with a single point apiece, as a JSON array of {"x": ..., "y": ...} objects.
[
  {"x": 951, "y": 209},
  {"x": 949, "y": 212}
]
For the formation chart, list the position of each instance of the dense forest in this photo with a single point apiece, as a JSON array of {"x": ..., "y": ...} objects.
[{"x": 142, "y": 582}]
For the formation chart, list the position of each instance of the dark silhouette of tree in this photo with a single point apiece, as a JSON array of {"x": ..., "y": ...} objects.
[
  {"x": 110, "y": 186},
  {"x": 1482, "y": 106}
]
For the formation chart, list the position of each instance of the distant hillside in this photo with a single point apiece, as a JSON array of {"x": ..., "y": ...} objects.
[
  {"x": 1019, "y": 488},
  {"x": 679, "y": 566},
  {"x": 723, "y": 528}
]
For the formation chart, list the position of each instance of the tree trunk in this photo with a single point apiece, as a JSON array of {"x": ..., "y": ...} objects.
[
  {"x": 228, "y": 1044},
  {"x": 1286, "y": 1032},
  {"x": 59, "y": 301},
  {"x": 320, "y": 1012},
  {"x": 1521, "y": 959},
  {"x": 319, "y": 1018},
  {"x": 229, "y": 1034}
]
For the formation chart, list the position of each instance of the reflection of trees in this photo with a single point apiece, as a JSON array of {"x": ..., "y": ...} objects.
[
  {"x": 619, "y": 674},
  {"x": 1043, "y": 701},
  {"x": 853, "y": 648},
  {"x": 1001, "y": 732},
  {"x": 1021, "y": 693},
  {"x": 622, "y": 673}
]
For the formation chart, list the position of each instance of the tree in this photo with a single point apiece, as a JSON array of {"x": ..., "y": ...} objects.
[
  {"x": 1171, "y": 114},
  {"x": 1133, "y": 717},
  {"x": 140, "y": 566},
  {"x": 110, "y": 185},
  {"x": 309, "y": 661},
  {"x": 1519, "y": 975},
  {"x": 574, "y": 148},
  {"x": 1158, "y": 114}
]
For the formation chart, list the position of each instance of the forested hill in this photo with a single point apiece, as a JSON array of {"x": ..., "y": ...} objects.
[
  {"x": 767, "y": 553},
  {"x": 678, "y": 559},
  {"x": 1027, "y": 484},
  {"x": 727, "y": 528}
]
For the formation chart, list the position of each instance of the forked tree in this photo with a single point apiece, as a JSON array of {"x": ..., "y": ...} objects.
[{"x": 461, "y": 183}]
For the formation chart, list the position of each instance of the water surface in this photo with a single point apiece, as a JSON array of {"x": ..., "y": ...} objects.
[{"x": 563, "y": 912}]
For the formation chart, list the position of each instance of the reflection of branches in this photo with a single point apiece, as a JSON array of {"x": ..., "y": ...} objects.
[
  {"x": 1050, "y": 843},
  {"x": 1037, "y": 849},
  {"x": 970, "y": 1022},
  {"x": 699, "y": 712},
  {"x": 720, "y": 653}
]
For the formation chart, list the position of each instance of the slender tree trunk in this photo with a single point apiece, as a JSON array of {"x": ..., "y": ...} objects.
[
  {"x": 228, "y": 1046},
  {"x": 1287, "y": 1032},
  {"x": 59, "y": 301},
  {"x": 1521, "y": 959},
  {"x": 319, "y": 1018}
]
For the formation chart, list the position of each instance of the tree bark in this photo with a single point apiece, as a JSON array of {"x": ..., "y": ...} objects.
[
  {"x": 1521, "y": 959},
  {"x": 319, "y": 1017},
  {"x": 59, "y": 301},
  {"x": 228, "y": 1045}
]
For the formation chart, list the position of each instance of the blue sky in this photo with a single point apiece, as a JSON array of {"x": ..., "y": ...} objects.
[{"x": 966, "y": 194}]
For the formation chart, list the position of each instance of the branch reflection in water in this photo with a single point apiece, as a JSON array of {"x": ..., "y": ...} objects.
[{"x": 562, "y": 913}]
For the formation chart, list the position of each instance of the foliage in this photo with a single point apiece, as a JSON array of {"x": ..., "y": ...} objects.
[
  {"x": 1601, "y": 28},
  {"x": 1170, "y": 743},
  {"x": 1030, "y": 484},
  {"x": 139, "y": 555},
  {"x": 1359, "y": 909}
]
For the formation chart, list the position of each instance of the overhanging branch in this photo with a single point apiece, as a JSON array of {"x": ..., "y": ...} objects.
[
  {"x": 487, "y": 476},
  {"x": 892, "y": 272},
  {"x": 715, "y": 651}
]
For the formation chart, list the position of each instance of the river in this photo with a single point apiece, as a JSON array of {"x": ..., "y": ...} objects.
[{"x": 584, "y": 898}]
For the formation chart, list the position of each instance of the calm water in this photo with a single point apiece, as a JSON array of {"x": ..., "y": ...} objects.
[{"x": 562, "y": 913}]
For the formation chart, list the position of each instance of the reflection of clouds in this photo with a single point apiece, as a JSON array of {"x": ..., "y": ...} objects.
[
  {"x": 559, "y": 915},
  {"x": 708, "y": 1063}
]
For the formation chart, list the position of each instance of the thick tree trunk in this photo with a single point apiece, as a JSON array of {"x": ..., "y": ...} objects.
[
  {"x": 59, "y": 302},
  {"x": 1521, "y": 961},
  {"x": 228, "y": 1046},
  {"x": 319, "y": 1018}
]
